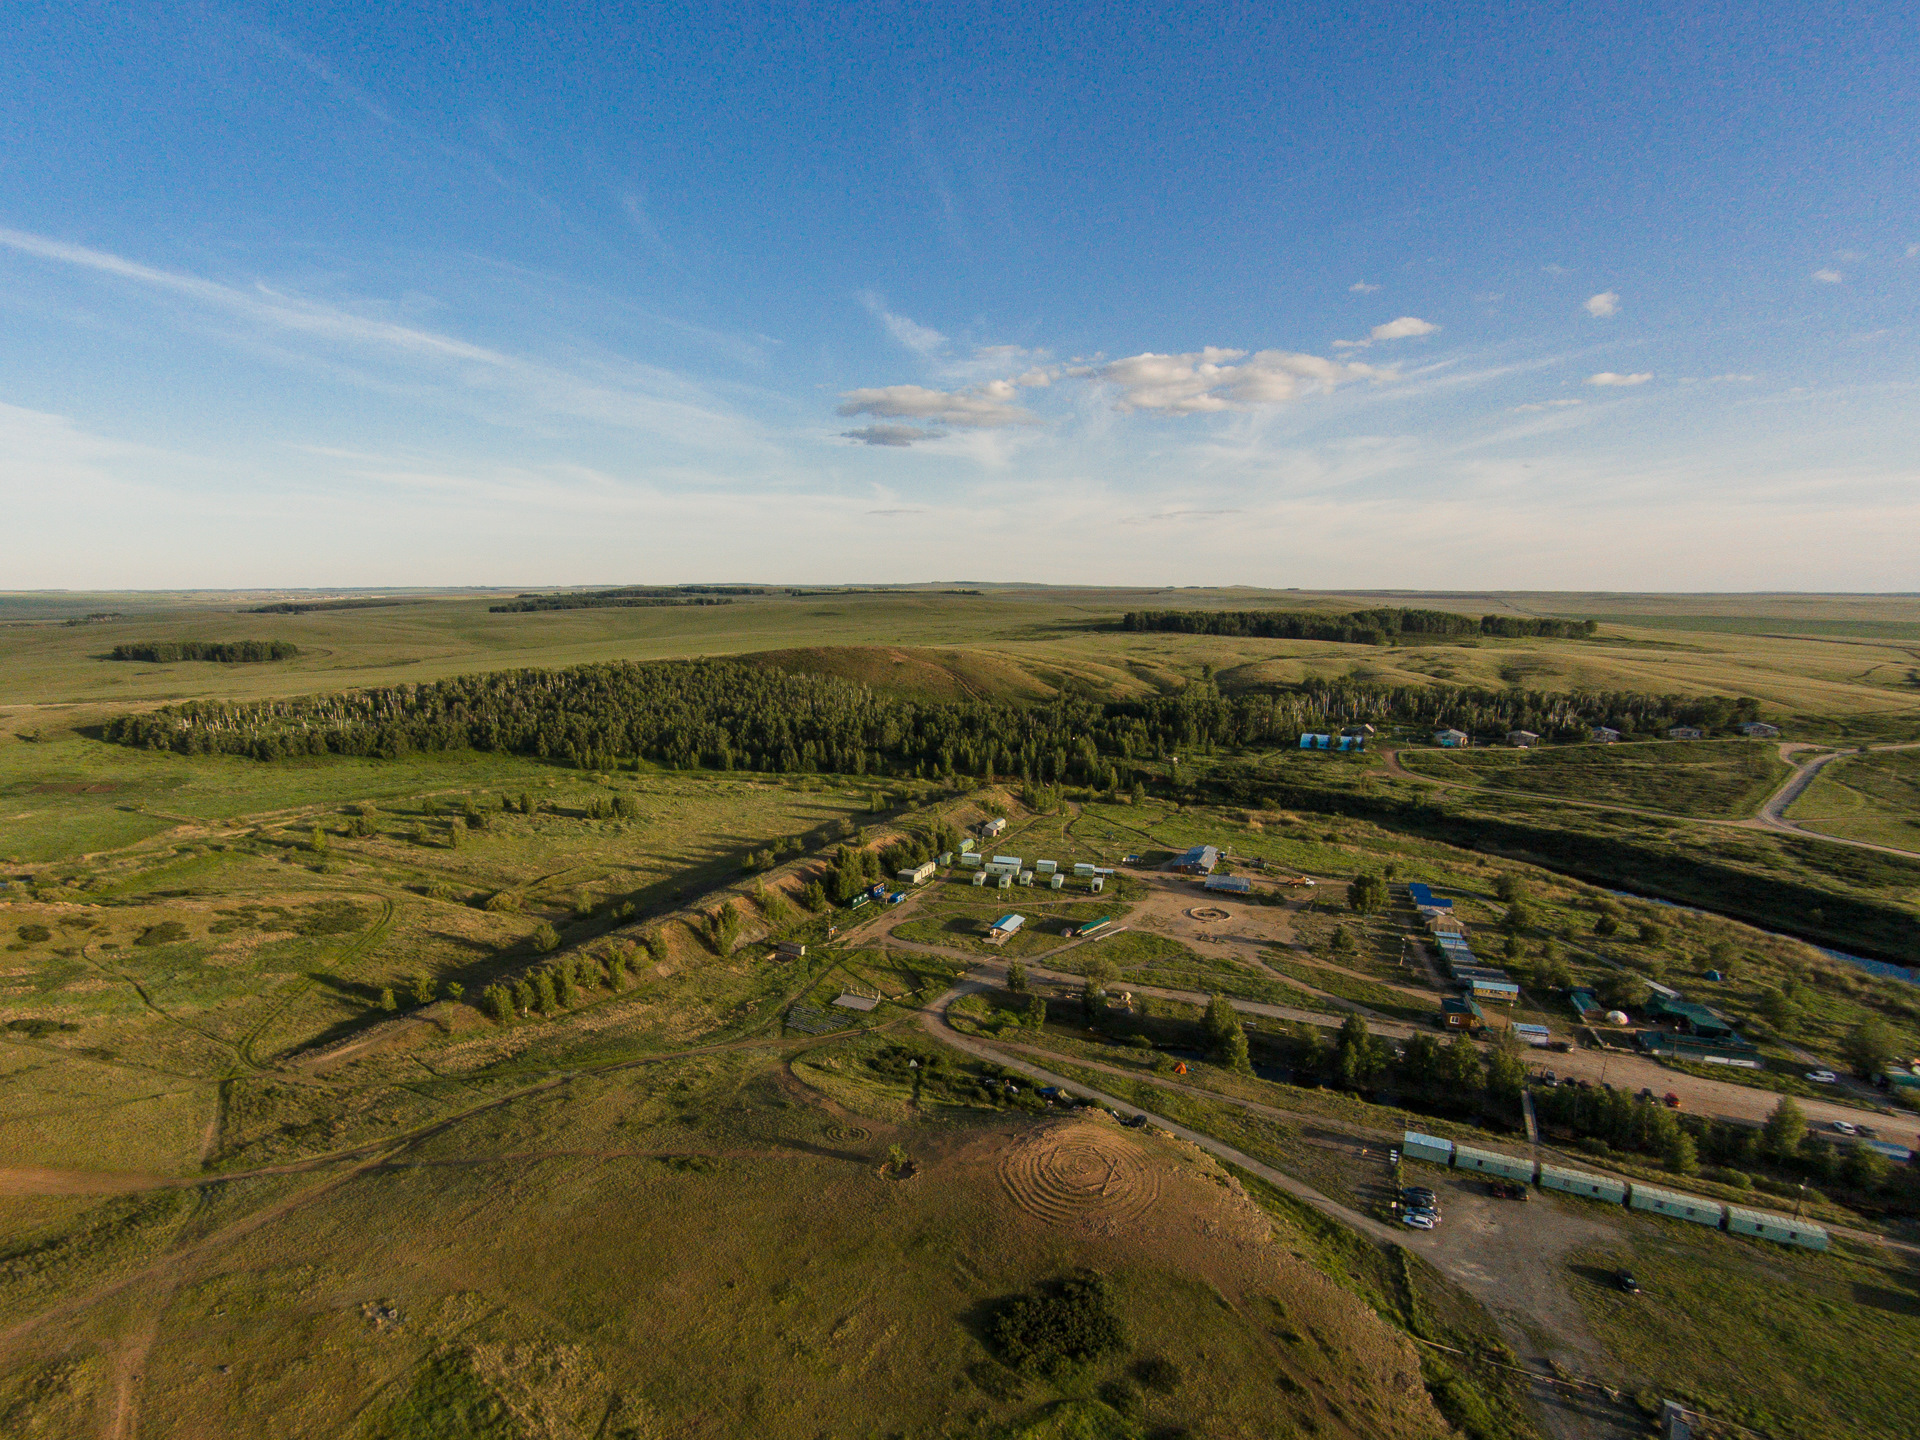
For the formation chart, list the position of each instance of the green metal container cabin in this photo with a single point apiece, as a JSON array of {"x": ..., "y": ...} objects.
[
  {"x": 1492, "y": 1162},
  {"x": 1579, "y": 1182},
  {"x": 1431, "y": 1148},
  {"x": 1679, "y": 1207},
  {"x": 1784, "y": 1228}
]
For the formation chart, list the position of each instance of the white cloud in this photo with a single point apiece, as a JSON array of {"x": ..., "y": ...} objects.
[
  {"x": 1406, "y": 327},
  {"x": 1361, "y": 287},
  {"x": 1555, "y": 270},
  {"x": 1607, "y": 377},
  {"x": 1207, "y": 380},
  {"x": 1603, "y": 305},
  {"x": 1913, "y": 250},
  {"x": 1827, "y": 277},
  {"x": 1546, "y": 405},
  {"x": 979, "y": 407}
]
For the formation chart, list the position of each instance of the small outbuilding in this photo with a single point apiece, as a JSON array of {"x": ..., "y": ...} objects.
[
  {"x": 1458, "y": 1012},
  {"x": 1760, "y": 730},
  {"x": 1604, "y": 735},
  {"x": 1045, "y": 867},
  {"x": 1431, "y": 1148},
  {"x": 1450, "y": 739},
  {"x": 1200, "y": 860},
  {"x": 993, "y": 827},
  {"x": 1229, "y": 884},
  {"x": 1006, "y": 926},
  {"x": 918, "y": 875},
  {"x": 1522, "y": 739},
  {"x": 1685, "y": 732}
]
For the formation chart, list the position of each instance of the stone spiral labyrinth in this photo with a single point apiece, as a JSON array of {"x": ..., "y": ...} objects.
[
  {"x": 1077, "y": 1175},
  {"x": 842, "y": 1134}
]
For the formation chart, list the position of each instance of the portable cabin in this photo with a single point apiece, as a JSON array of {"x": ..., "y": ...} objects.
[
  {"x": 1415, "y": 1146},
  {"x": 1056, "y": 881},
  {"x": 965, "y": 846},
  {"x": 1097, "y": 884},
  {"x": 1685, "y": 732},
  {"x": 979, "y": 877},
  {"x": 1026, "y": 877},
  {"x": 1094, "y": 927},
  {"x": 1579, "y": 1182},
  {"x": 917, "y": 875},
  {"x": 1450, "y": 739},
  {"x": 1229, "y": 884},
  {"x": 1492, "y": 1162},
  {"x": 1458, "y": 1012},
  {"x": 1045, "y": 867},
  {"x": 1679, "y": 1207},
  {"x": 1503, "y": 990},
  {"x": 945, "y": 857},
  {"x": 1760, "y": 730},
  {"x": 970, "y": 860},
  {"x": 993, "y": 828},
  {"x": 1604, "y": 735},
  {"x": 789, "y": 950},
  {"x": 1522, "y": 739},
  {"x": 1083, "y": 870},
  {"x": 1533, "y": 1034},
  {"x": 1787, "y": 1229},
  {"x": 1003, "y": 881}
]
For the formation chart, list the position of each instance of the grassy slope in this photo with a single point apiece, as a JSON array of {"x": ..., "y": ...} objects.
[
  {"x": 1866, "y": 797},
  {"x": 1719, "y": 779}
]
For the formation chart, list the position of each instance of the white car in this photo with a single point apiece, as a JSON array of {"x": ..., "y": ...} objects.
[
  {"x": 1418, "y": 1220},
  {"x": 1845, "y": 1129},
  {"x": 1823, "y": 1077}
]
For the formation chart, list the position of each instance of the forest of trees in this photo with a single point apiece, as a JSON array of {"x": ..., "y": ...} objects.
[
  {"x": 227, "y": 652},
  {"x": 1361, "y": 627},
  {"x": 633, "y": 597},
  {"x": 726, "y": 715},
  {"x": 303, "y": 607}
]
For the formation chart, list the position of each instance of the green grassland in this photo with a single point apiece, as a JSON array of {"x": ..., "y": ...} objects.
[
  {"x": 1873, "y": 797},
  {"x": 1005, "y": 640},
  {"x": 1718, "y": 779}
]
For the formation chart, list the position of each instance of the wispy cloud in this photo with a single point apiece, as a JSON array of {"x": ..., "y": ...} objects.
[
  {"x": 1555, "y": 270},
  {"x": 1545, "y": 405},
  {"x": 1827, "y": 277},
  {"x": 1608, "y": 377},
  {"x": 923, "y": 340},
  {"x": 1603, "y": 306},
  {"x": 1361, "y": 287},
  {"x": 617, "y": 393}
]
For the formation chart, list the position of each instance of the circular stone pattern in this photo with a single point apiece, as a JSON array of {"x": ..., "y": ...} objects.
[{"x": 1078, "y": 1174}]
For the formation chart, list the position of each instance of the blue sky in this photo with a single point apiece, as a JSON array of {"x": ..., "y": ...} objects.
[{"x": 1597, "y": 296}]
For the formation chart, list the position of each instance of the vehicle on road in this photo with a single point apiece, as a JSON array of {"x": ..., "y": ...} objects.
[
  {"x": 1419, "y": 1220},
  {"x": 1823, "y": 1077},
  {"x": 1623, "y": 1280},
  {"x": 1844, "y": 1128},
  {"x": 1670, "y": 1100}
]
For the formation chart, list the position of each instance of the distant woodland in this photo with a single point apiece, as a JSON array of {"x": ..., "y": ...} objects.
[
  {"x": 728, "y": 715},
  {"x": 1360, "y": 627},
  {"x": 226, "y": 652},
  {"x": 631, "y": 598}
]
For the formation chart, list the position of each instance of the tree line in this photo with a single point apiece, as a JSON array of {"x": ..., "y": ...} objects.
[
  {"x": 1359, "y": 627},
  {"x": 729, "y": 715},
  {"x": 226, "y": 652},
  {"x": 628, "y": 598}
]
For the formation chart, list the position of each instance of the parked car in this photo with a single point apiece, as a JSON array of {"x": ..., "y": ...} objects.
[
  {"x": 1845, "y": 1129},
  {"x": 1823, "y": 1077},
  {"x": 1418, "y": 1194},
  {"x": 1670, "y": 1100},
  {"x": 1623, "y": 1280},
  {"x": 1419, "y": 1220},
  {"x": 1508, "y": 1190}
]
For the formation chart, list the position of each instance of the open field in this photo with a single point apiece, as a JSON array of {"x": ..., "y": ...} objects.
[
  {"x": 269, "y": 1172},
  {"x": 1875, "y": 798},
  {"x": 1002, "y": 640},
  {"x": 1722, "y": 779}
]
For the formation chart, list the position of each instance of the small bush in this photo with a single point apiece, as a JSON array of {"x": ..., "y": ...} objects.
[
  {"x": 1059, "y": 1327},
  {"x": 167, "y": 932},
  {"x": 34, "y": 934}
]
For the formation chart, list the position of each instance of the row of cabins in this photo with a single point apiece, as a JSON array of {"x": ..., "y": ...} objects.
[
  {"x": 1613, "y": 1190},
  {"x": 1004, "y": 870},
  {"x": 1598, "y": 734},
  {"x": 1480, "y": 982}
]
